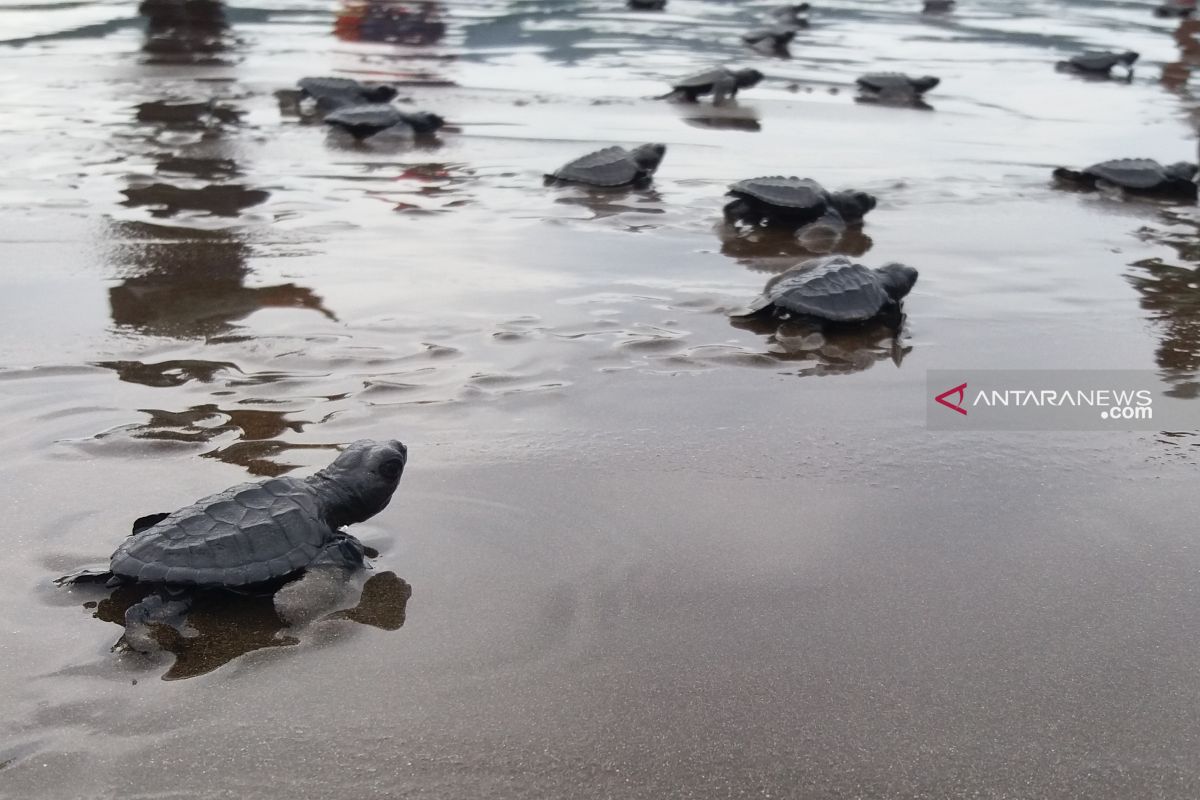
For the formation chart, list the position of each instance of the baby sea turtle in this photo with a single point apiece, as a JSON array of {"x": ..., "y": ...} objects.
[
  {"x": 771, "y": 40},
  {"x": 333, "y": 93},
  {"x": 834, "y": 289},
  {"x": 647, "y": 5},
  {"x": 1099, "y": 62},
  {"x": 1136, "y": 176},
  {"x": 254, "y": 534},
  {"x": 721, "y": 83},
  {"x": 612, "y": 166},
  {"x": 794, "y": 202},
  {"x": 895, "y": 87},
  {"x": 1180, "y": 9},
  {"x": 938, "y": 6},
  {"x": 365, "y": 120}
]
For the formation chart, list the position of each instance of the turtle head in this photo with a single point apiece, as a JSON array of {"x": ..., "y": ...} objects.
[
  {"x": 424, "y": 121},
  {"x": 925, "y": 83},
  {"x": 378, "y": 92},
  {"x": 361, "y": 480},
  {"x": 747, "y": 77},
  {"x": 852, "y": 205},
  {"x": 898, "y": 280},
  {"x": 648, "y": 156},
  {"x": 1128, "y": 58},
  {"x": 1181, "y": 170}
]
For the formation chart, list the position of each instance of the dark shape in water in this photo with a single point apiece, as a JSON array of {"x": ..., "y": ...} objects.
[
  {"x": 1099, "y": 62},
  {"x": 937, "y": 6},
  {"x": 794, "y": 202},
  {"x": 1170, "y": 294},
  {"x": 795, "y": 16},
  {"x": 366, "y": 120},
  {"x": 199, "y": 167},
  {"x": 721, "y": 83},
  {"x": 1181, "y": 9},
  {"x": 835, "y": 289},
  {"x": 774, "y": 41},
  {"x": 647, "y": 5},
  {"x": 252, "y": 536},
  {"x": 390, "y": 21},
  {"x": 612, "y": 167},
  {"x": 222, "y": 200},
  {"x": 895, "y": 88},
  {"x": 184, "y": 31},
  {"x": 773, "y": 249},
  {"x": 187, "y": 114},
  {"x": 1143, "y": 176},
  {"x": 830, "y": 351}
]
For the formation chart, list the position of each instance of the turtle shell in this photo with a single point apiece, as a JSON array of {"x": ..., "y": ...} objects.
[
  {"x": 1095, "y": 60},
  {"x": 246, "y": 534},
  {"x": 612, "y": 166},
  {"x": 883, "y": 81},
  {"x": 833, "y": 288},
  {"x": 802, "y": 194},
  {"x": 702, "y": 80},
  {"x": 1129, "y": 173},
  {"x": 365, "y": 119}
]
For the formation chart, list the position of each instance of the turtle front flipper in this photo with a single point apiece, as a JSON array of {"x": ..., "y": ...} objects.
[
  {"x": 325, "y": 583},
  {"x": 155, "y": 622},
  {"x": 724, "y": 89},
  {"x": 85, "y": 576}
]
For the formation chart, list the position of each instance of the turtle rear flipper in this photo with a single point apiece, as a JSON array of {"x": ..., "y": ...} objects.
[{"x": 1073, "y": 177}]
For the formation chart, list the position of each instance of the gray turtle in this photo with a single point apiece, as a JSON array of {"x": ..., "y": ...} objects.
[
  {"x": 334, "y": 93},
  {"x": 834, "y": 289},
  {"x": 612, "y": 166},
  {"x": 721, "y": 83},
  {"x": 365, "y": 120},
  {"x": 771, "y": 40},
  {"x": 794, "y": 202},
  {"x": 938, "y": 6},
  {"x": 1099, "y": 63},
  {"x": 253, "y": 534},
  {"x": 1135, "y": 176},
  {"x": 647, "y": 5},
  {"x": 895, "y": 87}
]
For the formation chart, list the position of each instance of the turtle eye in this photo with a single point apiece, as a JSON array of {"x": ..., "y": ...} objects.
[{"x": 391, "y": 469}]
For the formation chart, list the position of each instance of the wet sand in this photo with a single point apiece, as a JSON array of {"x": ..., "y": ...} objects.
[{"x": 650, "y": 553}]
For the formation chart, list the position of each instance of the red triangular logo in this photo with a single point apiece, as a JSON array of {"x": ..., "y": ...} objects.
[{"x": 961, "y": 392}]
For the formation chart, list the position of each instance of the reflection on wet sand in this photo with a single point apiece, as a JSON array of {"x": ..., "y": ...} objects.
[
  {"x": 188, "y": 283},
  {"x": 223, "y": 625},
  {"x": 611, "y": 202},
  {"x": 769, "y": 249},
  {"x": 184, "y": 31},
  {"x": 1171, "y": 294},
  {"x": 829, "y": 351}
]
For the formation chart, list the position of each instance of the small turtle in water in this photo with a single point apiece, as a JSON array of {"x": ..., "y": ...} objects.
[
  {"x": 771, "y": 40},
  {"x": 252, "y": 535},
  {"x": 792, "y": 16},
  {"x": 1098, "y": 63},
  {"x": 721, "y": 83},
  {"x": 1180, "y": 9},
  {"x": 794, "y": 202},
  {"x": 834, "y": 289},
  {"x": 612, "y": 166},
  {"x": 366, "y": 120},
  {"x": 895, "y": 88},
  {"x": 1135, "y": 176},
  {"x": 938, "y": 6},
  {"x": 647, "y": 5},
  {"x": 334, "y": 93}
]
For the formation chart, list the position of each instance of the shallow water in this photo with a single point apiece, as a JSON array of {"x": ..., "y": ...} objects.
[{"x": 650, "y": 553}]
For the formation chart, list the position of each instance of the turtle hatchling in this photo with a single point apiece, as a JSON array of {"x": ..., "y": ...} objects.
[
  {"x": 334, "y": 93},
  {"x": 1099, "y": 63},
  {"x": 1135, "y": 176},
  {"x": 365, "y": 120},
  {"x": 771, "y": 40},
  {"x": 612, "y": 166},
  {"x": 895, "y": 88},
  {"x": 794, "y": 202},
  {"x": 260, "y": 534},
  {"x": 721, "y": 83},
  {"x": 647, "y": 5},
  {"x": 937, "y": 6},
  {"x": 834, "y": 289}
]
